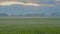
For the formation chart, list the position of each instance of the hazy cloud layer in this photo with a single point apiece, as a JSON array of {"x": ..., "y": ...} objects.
[
  {"x": 18, "y": 9},
  {"x": 37, "y": 1}
]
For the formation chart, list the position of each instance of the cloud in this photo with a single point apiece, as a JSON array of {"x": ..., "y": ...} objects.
[{"x": 8, "y": 3}]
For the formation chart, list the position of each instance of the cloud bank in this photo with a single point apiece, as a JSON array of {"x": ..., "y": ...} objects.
[{"x": 8, "y": 3}]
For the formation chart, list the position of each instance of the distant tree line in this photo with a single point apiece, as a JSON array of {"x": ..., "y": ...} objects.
[
  {"x": 3, "y": 14},
  {"x": 34, "y": 14}
]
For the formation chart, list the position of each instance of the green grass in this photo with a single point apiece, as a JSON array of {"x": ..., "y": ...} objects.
[{"x": 29, "y": 25}]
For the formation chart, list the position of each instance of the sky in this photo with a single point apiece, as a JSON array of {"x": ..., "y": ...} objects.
[{"x": 37, "y": 6}]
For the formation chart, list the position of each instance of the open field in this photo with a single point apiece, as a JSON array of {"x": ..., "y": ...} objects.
[{"x": 29, "y": 25}]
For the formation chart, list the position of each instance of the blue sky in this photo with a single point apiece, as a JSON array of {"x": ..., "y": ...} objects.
[{"x": 18, "y": 9}]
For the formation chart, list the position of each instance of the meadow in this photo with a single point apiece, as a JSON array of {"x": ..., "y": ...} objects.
[{"x": 29, "y": 25}]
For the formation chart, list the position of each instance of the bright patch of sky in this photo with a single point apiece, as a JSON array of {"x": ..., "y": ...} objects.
[{"x": 57, "y": 0}]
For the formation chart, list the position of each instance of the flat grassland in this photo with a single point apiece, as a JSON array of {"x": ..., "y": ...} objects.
[{"x": 29, "y": 25}]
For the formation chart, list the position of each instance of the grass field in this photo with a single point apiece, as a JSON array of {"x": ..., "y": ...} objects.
[{"x": 29, "y": 25}]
